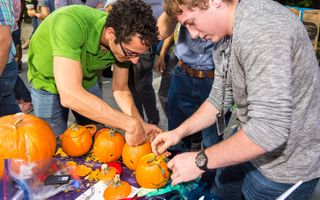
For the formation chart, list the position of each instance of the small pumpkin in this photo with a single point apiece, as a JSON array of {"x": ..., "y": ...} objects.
[
  {"x": 108, "y": 145},
  {"x": 27, "y": 137},
  {"x": 107, "y": 173},
  {"x": 132, "y": 154},
  {"x": 152, "y": 171},
  {"x": 117, "y": 189},
  {"x": 77, "y": 140}
]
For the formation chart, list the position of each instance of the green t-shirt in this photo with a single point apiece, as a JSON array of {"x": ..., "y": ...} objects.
[{"x": 72, "y": 32}]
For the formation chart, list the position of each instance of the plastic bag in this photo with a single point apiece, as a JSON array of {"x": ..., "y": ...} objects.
[{"x": 26, "y": 180}]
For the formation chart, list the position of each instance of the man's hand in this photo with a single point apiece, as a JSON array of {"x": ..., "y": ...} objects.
[
  {"x": 160, "y": 64},
  {"x": 164, "y": 140},
  {"x": 137, "y": 136},
  {"x": 184, "y": 168},
  {"x": 31, "y": 12},
  {"x": 151, "y": 130}
]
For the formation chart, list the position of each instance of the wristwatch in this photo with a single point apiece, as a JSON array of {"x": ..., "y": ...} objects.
[{"x": 202, "y": 160}]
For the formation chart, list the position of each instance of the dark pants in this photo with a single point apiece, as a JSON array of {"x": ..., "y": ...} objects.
[
  {"x": 7, "y": 94},
  {"x": 165, "y": 82},
  {"x": 21, "y": 91},
  {"x": 186, "y": 94},
  {"x": 140, "y": 84},
  {"x": 244, "y": 179}
]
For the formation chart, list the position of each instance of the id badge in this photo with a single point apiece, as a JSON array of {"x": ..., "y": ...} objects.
[{"x": 221, "y": 123}]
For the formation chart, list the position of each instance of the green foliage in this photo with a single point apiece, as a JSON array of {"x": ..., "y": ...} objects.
[{"x": 299, "y": 3}]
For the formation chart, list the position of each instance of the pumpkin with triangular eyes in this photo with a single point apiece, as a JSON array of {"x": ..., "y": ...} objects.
[{"x": 132, "y": 154}]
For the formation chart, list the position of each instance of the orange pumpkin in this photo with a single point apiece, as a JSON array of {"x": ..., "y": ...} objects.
[
  {"x": 107, "y": 173},
  {"x": 131, "y": 155},
  {"x": 108, "y": 145},
  {"x": 77, "y": 140},
  {"x": 26, "y": 137},
  {"x": 117, "y": 189},
  {"x": 152, "y": 171}
]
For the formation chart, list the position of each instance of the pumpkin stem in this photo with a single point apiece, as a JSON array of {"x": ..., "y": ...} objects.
[
  {"x": 105, "y": 168},
  {"x": 116, "y": 181},
  {"x": 74, "y": 127},
  {"x": 17, "y": 118},
  {"x": 112, "y": 132}
]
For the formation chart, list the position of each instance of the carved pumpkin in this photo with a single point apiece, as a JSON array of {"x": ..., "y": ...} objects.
[
  {"x": 131, "y": 155},
  {"x": 117, "y": 189},
  {"x": 77, "y": 140},
  {"x": 152, "y": 171},
  {"x": 26, "y": 137},
  {"x": 108, "y": 145}
]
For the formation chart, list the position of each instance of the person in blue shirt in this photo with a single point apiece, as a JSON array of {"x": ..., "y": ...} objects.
[
  {"x": 8, "y": 65},
  {"x": 191, "y": 82}
]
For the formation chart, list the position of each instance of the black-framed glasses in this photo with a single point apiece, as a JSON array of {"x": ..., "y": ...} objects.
[{"x": 131, "y": 54}]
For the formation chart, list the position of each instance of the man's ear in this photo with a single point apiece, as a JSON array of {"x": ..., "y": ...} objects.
[{"x": 110, "y": 33}]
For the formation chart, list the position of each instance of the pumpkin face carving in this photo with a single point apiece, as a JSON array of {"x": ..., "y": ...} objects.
[
  {"x": 26, "y": 137},
  {"x": 131, "y": 155},
  {"x": 152, "y": 171},
  {"x": 108, "y": 145},
  {"x": 77, "y": 140}
]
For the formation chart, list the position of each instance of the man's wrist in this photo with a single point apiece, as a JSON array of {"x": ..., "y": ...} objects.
[{"x": 201, "y": 160}]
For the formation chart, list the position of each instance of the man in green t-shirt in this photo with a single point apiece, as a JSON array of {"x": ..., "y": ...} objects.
[{"x": 70, "y": 45}]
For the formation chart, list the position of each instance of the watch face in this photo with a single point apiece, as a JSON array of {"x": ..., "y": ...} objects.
[{"x": 201, "y": 160}]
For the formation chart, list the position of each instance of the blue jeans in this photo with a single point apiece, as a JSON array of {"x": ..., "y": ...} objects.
[
  {"x": 246, "y": 180},
  {"x": 48, "y": 107},
  {"x": 185, "y": 96},
  {"x": 7, "y": 95}
]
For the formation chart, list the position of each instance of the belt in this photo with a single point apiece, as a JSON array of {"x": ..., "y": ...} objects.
[{"x": 196, "y": 73}]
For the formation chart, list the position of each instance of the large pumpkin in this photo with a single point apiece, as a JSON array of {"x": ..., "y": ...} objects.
[
  {"x": 77, "y": 140},
  {"x": 108, "y": 145},
  {"x": 152, "y": 171},
  {"x": 26, "y": 137},
  {"x": 132, "y": 154},
  {"x": 117, "y": 189}
]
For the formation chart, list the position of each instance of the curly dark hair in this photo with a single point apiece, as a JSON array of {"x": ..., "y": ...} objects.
[{"x": 131, "y": 17}]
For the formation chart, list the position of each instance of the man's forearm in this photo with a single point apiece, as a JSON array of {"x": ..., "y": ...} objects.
[
  {"x": 96, "y": 109},
  {"x": 126, "y": 103},
  {"x": 166, "y": 26},
  {"x": 236, "y": 149},
  {"x": 166, "y": 45},
  {"x": 5, "y": 42}
]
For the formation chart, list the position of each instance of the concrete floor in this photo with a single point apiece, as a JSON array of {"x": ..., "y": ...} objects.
[{"x": 107, "y": 94}]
